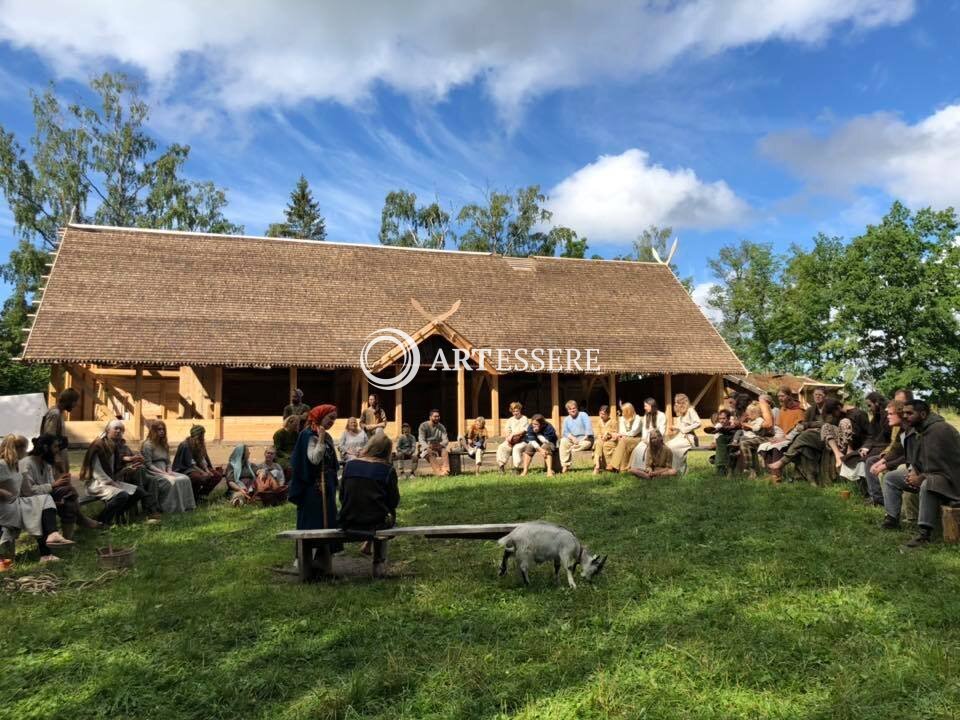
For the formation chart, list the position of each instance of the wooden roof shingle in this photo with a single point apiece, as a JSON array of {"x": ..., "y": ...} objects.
[{"x": 141, "y": 297}]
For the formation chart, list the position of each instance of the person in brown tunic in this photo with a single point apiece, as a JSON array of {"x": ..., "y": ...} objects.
[
  {"x": 373, "y": 417},
  {"x": 658, "y": 460}
]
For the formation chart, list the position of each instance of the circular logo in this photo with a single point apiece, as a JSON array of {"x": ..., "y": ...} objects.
[{"x": 409, "y": 361}]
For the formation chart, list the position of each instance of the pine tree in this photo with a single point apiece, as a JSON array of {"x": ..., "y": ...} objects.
[{"x": 304, "y": 220}]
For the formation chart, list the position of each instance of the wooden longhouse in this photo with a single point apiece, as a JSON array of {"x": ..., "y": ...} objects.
[{"x": 217, "y": 330}]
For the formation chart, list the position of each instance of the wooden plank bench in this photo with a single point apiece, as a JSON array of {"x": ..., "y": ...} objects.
[{"x": 309, "y": 541}]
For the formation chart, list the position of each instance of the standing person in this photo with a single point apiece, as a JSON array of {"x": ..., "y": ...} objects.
[
  {"x": 38, "y": 468},
  {"x": 577, "y": 434},
  {"x": 284, "y": 440},
  {"x": 373, "y": 417},
  {"x": 53, "y": 423},
  {"x": 192, "y": 460},
  {"x": 434, "y": 440},
  {"x": 176, "y": 488},
  {"x": 933, "y": 470},
  {"x": 406, "y": 451},
  {"x": 297, "y": 406},
  {"x": 371, "y": 496},
  {"x": 541, "y": 438},
  {"x": 475, "y": 442},
  {"x": 313, "y": 487},
  {"x": 352, "y": 441},
  {"x": 37, "y": 514},
  {"x": 627, "y": 437},
  {"x": 514, "y": 431},
  {"x": 685, "y": 424},
  {"x": 607, "y": 441},
  {"x": 100, "y": 471}
]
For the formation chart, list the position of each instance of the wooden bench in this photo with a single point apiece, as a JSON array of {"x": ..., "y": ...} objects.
[{"x": 309, "y": 541}]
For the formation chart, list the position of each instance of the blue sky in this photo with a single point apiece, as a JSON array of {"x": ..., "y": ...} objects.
[{"x": 763, "y": 119}]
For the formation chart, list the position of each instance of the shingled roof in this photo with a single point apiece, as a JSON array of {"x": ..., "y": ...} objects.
[{"x": 142, "y": 297}]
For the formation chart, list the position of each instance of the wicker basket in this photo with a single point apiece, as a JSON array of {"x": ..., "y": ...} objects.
[{"x": 116, "y": 557}]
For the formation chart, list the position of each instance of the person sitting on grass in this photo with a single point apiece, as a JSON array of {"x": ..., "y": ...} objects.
[
  {"x": 36, "y": 513},
  {"x": 192, "y": 460},
  {"x": 933, "y": 470},
  {"x": 607, "y": 442},
  {"x": 241, "y": 476},
  {"x": 352, "y": 441},
  {"x": 284, "y": 441},
  {"x": 101, "y": 470},
  {"x": 658, "y": 460},
  {"x": 514, "y": 431},
  {"x": 370, "y": 496},
  {"x": 38, "y": 470},
  {"x": 653, "y": 419},
  {"x": 475, "y": 442},
  {"x": 541, "y": 439},
  {"x": 434, "y": 440},
  {"x": 271, "y": 485},
  {"x": 406, "y": 451}
]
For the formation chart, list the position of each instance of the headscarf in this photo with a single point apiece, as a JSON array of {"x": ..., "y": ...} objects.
[
  {"x": 316, "y": 416},
  {"x": 236, "y": 462}
]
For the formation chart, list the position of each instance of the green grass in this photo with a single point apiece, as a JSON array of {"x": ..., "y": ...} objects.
[{"x": 721, "y": 599}]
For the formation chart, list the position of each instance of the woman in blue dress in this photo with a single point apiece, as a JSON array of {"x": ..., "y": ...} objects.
[{"x": 313, "y": 487}]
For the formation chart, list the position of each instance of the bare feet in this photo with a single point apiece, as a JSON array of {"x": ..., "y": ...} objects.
[
  {"x": 523, "y": 472},
  {"x": 551, "y": 473},
  {"x": 596, "y": 470},
  {"x": 56, "y": 538}
]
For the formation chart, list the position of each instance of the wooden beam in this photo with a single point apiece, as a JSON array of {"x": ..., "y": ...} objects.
[
  {"x": 668, "y": 398},
  {"x": 184, "y": 389},
  {"x": 612, "y": 391},
  {"x": 461, "y": 401},
  {"x": 494, "y": 381},
  {"x": 555, "y": 401},
  {"x": 721, "y": 395},
  {"x": 218, "y": 403},
  {"x": 364, "y": 392},
  {"x": 294, "y": 379},
  {"x": 354, "y": 389},
  {"x": 398, "y": 408},
  {"x": 138, "y": 404},
  {"x": 706, "y": 389}
]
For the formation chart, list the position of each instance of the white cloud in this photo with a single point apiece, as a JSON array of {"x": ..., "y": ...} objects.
[
  {"x": 917, "y": 163},
  {"x": 700, "y": 294},
  {"x": 255, "y": 53},
  {"x": 614, "y": 198}
]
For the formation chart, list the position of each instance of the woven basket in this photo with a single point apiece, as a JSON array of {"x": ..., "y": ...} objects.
[{"x": 116, "y": 557}]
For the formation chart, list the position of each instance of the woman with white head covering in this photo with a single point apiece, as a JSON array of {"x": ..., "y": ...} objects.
[{"x": 100, "y": 469}]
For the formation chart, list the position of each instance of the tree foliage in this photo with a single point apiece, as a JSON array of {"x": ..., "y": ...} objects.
[
  {"x": 89, "y": 163},
  {"x": 404, "y": 224},
  {"x": 303, "y": 218},
  {"x": 654, "y": 241}
]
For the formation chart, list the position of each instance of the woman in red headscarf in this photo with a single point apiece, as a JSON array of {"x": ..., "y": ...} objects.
[{"x": 313, "y": 487}]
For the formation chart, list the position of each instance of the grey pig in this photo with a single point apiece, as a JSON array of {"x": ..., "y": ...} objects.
[{"x": 538, "y": 542}]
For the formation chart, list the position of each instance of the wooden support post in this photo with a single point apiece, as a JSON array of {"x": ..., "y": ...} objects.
[
  {"x": 364, "y": 393},
  {"x": 950, "y": 519},
  {"x": 461, "y": 401},
  {"x": 720, "y": 396},
  {"x": 612, "y": 390},
  {"x": 294, "y": 379},
  {"x": 495, "y": 404},
  {"x": 354, "y": 389},
  {"x": 218, "y": 403},
  {"x": 138, "y": 404},
  {"x": 668, "y": 398},
  {"x": 398, "y": 409},
  {"x": 555, "y": 401}
]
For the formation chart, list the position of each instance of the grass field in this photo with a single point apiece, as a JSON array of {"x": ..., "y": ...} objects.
[{"x": 721, "y": 599}]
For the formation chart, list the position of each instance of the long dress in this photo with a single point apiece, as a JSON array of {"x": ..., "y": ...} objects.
[
  {"x": 637, "y": 458},
  {"x": 35, "y": 492},
  {"x": 156, "y": 462},
  {"x": 680, "y": 445},
  {"x": 629, "y": 432},
  {"x": 10, "y": 520},
  {"x": 314, "y": 467}
]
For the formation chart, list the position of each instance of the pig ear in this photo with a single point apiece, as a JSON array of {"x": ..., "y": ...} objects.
[{"x": 601, "y": 562}]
